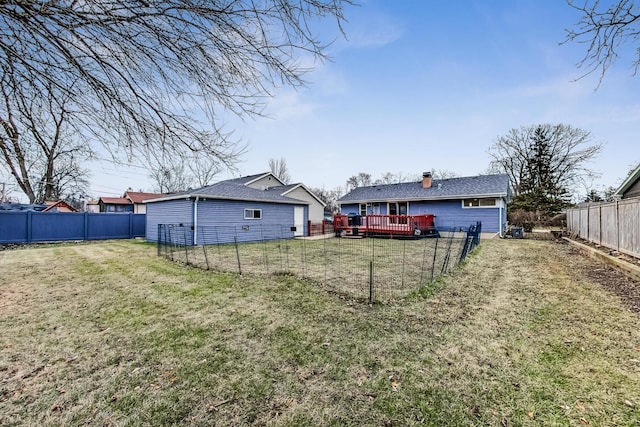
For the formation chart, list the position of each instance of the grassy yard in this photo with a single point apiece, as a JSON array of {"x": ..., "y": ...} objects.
[
  {"x": 398, "y": 267},
  {"x": 110, "y": 334}
]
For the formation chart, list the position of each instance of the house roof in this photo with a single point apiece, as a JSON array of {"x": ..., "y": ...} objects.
[
  {"x": 140, "y": 197},
  {"x": 283, "y": 190},
  {"x": 234, "y": 189},
  {"x": 246, "y": 180},
  {"x": 628, "y": 182},
  {"x": 452, "y": 188},
  {"x": 58, "y": 206},
  {"x": 115, "y": 200}
]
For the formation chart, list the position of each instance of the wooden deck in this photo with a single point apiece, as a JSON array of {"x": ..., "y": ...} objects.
[{"x": 406, "y": 225}]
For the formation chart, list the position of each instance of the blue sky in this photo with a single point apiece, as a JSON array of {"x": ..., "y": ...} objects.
[{"x": 423, "y": 85}]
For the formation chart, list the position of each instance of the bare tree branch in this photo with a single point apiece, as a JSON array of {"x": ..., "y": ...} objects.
[
  {"x": 604, "y": 29},
  {"x": 152, "y": 79},
  {"x": 39, "y": 147}
]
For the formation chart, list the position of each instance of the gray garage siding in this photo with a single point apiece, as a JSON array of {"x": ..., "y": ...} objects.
[
  {"x": 227, "y": 216},
  {"x": 168, "y": 212}
]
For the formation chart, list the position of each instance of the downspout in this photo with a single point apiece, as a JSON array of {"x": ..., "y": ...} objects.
[
  {"x": 195, "y": 221},
  {"x": 500, "y": 223}
]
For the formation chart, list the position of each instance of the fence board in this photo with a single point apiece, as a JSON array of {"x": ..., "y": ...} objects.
[
  {"x": 584, "y": 223},
  {"x": 609, "y": 225},
  {"x": 594, "y": 224},
  {"x": 615, "y": 225}
]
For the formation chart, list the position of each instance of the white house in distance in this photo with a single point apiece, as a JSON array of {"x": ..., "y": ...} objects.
[{"x": 246, "y": 202}]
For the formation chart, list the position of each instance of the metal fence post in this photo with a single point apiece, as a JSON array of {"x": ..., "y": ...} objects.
[
  {"x": 186, "y": 248},
  {"x": 445, "y": 262},
  {"x": 235, "y": 240},
  {"x": 370, "y": 282},
  {"x": 204, "y": 246},
  {"x": 435, "y": 253}
]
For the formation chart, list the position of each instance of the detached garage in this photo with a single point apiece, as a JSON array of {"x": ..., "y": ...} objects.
[{"x": 243, "y": 209}]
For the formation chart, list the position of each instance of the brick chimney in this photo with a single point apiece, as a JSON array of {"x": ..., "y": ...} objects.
[{"x": 426, "y": 179}]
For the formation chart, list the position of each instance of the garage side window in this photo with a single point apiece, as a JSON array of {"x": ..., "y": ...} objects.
[
  {"x": 253, "y": 214},
  {"x": 478, "y": 203}
]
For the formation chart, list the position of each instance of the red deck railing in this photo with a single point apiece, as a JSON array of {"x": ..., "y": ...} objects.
[{"x": 385, "y": 224}]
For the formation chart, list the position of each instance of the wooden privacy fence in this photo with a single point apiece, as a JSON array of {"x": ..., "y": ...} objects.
[{"x": 615, "y": 225}]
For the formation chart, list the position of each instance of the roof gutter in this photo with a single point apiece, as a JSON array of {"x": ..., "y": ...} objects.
[{"x": 214, "y": 197}]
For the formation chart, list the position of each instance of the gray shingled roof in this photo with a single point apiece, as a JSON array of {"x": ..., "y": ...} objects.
[
  {"x": 235, "y": 189},
  {"x": 243, "y": 180},
  {"x": 452, "y": 188}
]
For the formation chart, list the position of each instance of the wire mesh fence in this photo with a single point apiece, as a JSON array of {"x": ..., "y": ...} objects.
[{"x": 368, "y": 269}]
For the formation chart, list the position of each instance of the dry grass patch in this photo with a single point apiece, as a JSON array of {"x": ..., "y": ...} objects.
[{"x": 110, "y": 334}]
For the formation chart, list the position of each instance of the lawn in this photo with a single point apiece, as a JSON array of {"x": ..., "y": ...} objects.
[
  {"x": 386, "y": 269},
  {"x": 110, "y": 334}
]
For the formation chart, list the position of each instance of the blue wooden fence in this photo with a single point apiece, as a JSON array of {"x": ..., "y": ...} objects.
[{"x": 28, "y": 227}]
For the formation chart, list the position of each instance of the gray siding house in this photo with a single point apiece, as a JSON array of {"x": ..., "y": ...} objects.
[
  {"x": 240, "y": 205},
  {"x": 631, "y": 185},
  {"x": 455, "y": 202}
]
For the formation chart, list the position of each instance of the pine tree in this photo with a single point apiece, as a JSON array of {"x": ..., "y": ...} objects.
[{"x": 539, "y": 188}]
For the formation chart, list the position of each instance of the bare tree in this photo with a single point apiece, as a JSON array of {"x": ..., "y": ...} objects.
[
  {"x": 150, "y": 78},
  {"x": 180, "y": 175},
  {"x": 361, "y": 180},
  {"x": 329, "y": 197},
  {"x": 203, "y": 170},
  {"x": 570, "y": 150},
  {"x": 279, "y": 168},
  {"x": 388, "y": 178},
  {"x": 395, "y": 178},
  {"x": 171, "y": 178},
  {"x": 443, "y": 174},
  {"x": 39, "y": 146},
  {"x": 604, "y": 29}
]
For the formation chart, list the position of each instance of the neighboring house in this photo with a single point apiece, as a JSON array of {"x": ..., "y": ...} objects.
[
  {"x": 455, "y": 202},
  {"x": 630, "y": 187},
  {"x": 138, "y": 199},
  {"x": 243, "y": 203},
  {"x": 48, "y": 206},
  {"x": 58, "y": 206},
  {"x": 115, "y": 205},
  {"x": 132, "y": 201},
  {"x": 92, "y": 206},
  {"x": 33, "y": 207}
]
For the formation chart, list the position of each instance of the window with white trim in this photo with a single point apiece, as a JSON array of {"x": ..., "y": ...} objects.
[
  {"x": 397, "y": 208},
  {"x": 479, "y": 203},
  {"x": 253, "y": 214}
]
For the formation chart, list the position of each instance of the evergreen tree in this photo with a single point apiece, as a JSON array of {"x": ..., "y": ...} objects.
[
  {"x": 593, "y": 196},
  {"x": 540, "y": 190}
]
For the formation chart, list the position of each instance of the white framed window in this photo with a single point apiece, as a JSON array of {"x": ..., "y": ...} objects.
[
  {"x": 479, "y": 203},
  {"x": 253, "y": 214},
  {"x": 363, "y": 209}
]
